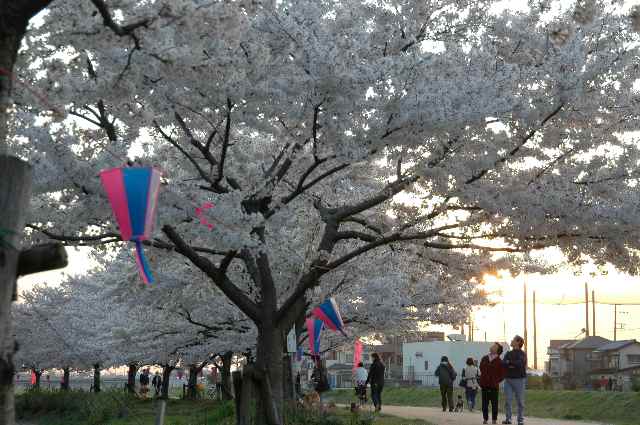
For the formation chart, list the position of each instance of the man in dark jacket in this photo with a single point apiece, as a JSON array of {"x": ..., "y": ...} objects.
[
  {"x": 491, "y": 374},
  {"x": 446, "y": 377},
  {"x": 515, "y": 362},
  {"x": 376, "y": 379}
]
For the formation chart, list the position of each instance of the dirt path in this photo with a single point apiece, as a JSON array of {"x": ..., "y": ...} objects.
[{"x": 438, "y": 417}]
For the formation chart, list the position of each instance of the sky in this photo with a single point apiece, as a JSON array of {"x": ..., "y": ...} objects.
[
  {"x": 560, "y": 308},
  {"x": 560, "y": 296}
]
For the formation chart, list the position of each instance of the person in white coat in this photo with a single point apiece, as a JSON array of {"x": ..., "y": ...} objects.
[
  {"x": 471, "y": 378},
  {"x": 360, "y": 378}
]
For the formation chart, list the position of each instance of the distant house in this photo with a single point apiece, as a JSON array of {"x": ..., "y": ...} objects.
[
  {"x": 620, "y": 361},
  {"x": 618, "y": 355},
  {"x": 557, "y": 365},
  {"x": 421, "y": 359},
  {"x": 340, "y": 361},
  {"x": 582, "y": 359}
]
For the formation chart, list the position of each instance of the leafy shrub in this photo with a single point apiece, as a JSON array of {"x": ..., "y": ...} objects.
[
  {"x": 635, "y": 384},
  {"x": 93, "y": 408},
  {"x": 298, "y": 416}
]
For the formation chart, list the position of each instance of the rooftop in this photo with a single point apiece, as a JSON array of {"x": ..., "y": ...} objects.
[
  {"x": 617, "y": 345},
  {"x": 588, "y": 343},
  {"x": 558, "y": 343}
]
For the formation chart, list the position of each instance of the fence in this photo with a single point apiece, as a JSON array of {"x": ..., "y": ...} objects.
[
  {"x": 341, "y": 381},
  {"x": 85, "y": 383}
]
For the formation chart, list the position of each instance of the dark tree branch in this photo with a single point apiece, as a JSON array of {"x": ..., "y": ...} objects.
[
  {"x": 517, "y": 148},
  {"x": 387, "y": 193},
  {"x": 244, "y": 303},
  {"x": 225, "y": 144},
  {"x": 203, "y": 174},
  {"x": 120, "y": 30},
  {"x": 112, "y": 237}
]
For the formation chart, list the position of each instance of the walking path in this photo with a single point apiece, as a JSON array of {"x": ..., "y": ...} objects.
[{"x": 438, "y": 417}]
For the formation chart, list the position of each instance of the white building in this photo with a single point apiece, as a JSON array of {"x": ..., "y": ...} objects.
[{"x": 421, "y": 359}]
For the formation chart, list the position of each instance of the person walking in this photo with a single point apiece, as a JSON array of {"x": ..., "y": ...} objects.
[
  {"x": 144, "y": 383},
  {"x": 446, "y": 377},
  {"x": 515, "y": 362},
  {"x": 471, "y": 375},
  {"x": 321, "y": 381},
  {"x": 491, "y": 374},
  {"x": 157, "y": 383},
  {"x": 360, "y": 378},
  {"x": 376, "y": 379}
]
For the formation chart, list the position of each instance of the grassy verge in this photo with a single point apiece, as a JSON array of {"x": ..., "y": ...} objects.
[
  {"x": 606, "y": 407},
  {"x": 116, "y": 408}
]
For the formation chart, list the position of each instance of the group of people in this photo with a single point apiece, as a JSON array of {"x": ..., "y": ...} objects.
[
  {"x": 611, "y": 384},
  {"x": 362, "y": 378},
  {"x": 375, "y": 377},
  {"x": 156, "y": 382},
  {"x": 493, "y": 369}
]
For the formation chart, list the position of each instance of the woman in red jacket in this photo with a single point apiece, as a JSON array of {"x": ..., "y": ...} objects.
[{"x": 491, "y": 374}]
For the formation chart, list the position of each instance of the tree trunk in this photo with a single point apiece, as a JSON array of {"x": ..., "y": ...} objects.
[
  {"x": 166, "y": 376},
  {"x": 15, "y": 190},
  {"x": 65, "y": 379},
  {"x": 243, "y": 386},
  {"x": 131, "y": 378},
  {"x": 269, "y": 372},
  {"x": 96, "y": 378},
  {"x": 227, "y": 393},
  {"x": 287, "y": 382},
  {"x": 193, "y": 381}
]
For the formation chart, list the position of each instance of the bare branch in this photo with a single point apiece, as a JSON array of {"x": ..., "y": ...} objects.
[
  {"x": 517, "y": 148},
  {"x": 203, "y": 174},
  {"x": 221, "y": 280},
  {"x": 225, "y": 144},
  {"x": 126, "y": 30}
]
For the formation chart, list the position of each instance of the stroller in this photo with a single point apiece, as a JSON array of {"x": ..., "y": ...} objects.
[{"x": 361, "y": 394}]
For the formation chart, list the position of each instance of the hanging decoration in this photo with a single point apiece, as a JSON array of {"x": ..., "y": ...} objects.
[
  {"x": 357, "y": 353},
  {"x": 133, "y": 194},
  {"x": 330, "y": 315},
  {"x": 314, "y": 329},
  {"x": 200, "y": 214}
]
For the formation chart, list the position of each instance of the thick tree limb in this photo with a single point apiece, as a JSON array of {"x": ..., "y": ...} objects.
[
  {"x": 225, "y": 144},
  {"x": 42, "y": 258},
  {"x": 244, "y": 303},
  {"x": 387, "y": 193},
  {"x": 121, "y": 30}
]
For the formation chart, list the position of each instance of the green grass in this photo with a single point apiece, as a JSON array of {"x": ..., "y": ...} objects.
[
  {"x": 114, "y": 408},
  {"x": 607, "y": 407},
  {"x": 117, "y": 408}
]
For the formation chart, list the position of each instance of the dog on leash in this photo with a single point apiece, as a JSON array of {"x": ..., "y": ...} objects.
[
  {"x": 311, "y": 400},
  {"x": 459, "y": 404}
]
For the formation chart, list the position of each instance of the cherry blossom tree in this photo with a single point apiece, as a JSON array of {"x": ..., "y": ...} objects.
[{"x": 335, "y": 139}]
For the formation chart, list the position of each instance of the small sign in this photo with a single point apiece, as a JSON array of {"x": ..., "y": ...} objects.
[
  {"x": 291, "y": 341},
  {"x": 419, "y": 354}
]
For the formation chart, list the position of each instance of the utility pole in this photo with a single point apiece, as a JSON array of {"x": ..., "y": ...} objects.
[
  {"x": 615, "y": 322},
  {"x": 526, "y": 339},
  {"x": 586, "y": 306},
  {"x": 593, "y": 312},
  {"x": 535, "y": 334}
]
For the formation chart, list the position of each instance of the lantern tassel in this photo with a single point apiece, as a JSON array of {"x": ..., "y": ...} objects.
[{"x": 143, "y": 265}]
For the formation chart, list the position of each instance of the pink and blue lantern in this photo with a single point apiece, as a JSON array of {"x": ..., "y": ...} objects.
[
  {"x": 314, "y": 329},
  {"x": 330, "y": 315},
  {"x": 133, "y": 194}
]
